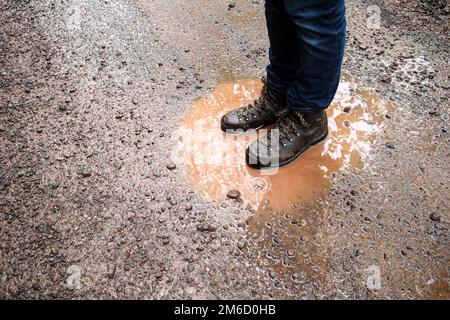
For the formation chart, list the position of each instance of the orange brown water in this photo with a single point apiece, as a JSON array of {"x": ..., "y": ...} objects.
[
  {"x": 286, "y": 233},
  {"x": 215, "y": 161}
]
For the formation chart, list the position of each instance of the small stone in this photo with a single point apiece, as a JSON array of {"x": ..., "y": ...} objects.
[
  {"x": 290, "y": 253},
  {"x": 434, "y": 216},
  {"x": 390, "y": 145},
  {"x": 347, "y": 109},
  {"x": 72, "y": 89},
  {"x": 206, "y": 227},
  {"x": 171, "y": 166},
  {"x": 156, "y": 173},
  {"x": 231, "y": 5},
  {"x": 233, "y": 194},
  {"x": 173, "y": 202},
  {"x": 434, "y": 113},
  {"x": 272, "y": 274},
  {"x": 363, "y": 46},
  {"x": 111, "y": 270},
  {"x": 241, "y": 244},
  {"x": 386, "y": 79},
  {"x": 161, "y": 220},
  {"x": 85, "y": 172},
  {"x": 54, "y": 185},
  {"x": 73, "y": 281},
  {"x": 188, "y": 207}
]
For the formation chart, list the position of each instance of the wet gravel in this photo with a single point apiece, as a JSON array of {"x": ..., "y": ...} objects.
[{"x": 91, "y": 205}]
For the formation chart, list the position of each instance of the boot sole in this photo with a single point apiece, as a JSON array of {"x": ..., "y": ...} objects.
[
  {"x": 283, "y": 163},
  {"x": 224, "y": 128}
]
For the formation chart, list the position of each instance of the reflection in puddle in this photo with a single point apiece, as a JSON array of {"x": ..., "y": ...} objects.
[
  {"x": 215, "y": 161},
  {"x": 286, "y": 226}
]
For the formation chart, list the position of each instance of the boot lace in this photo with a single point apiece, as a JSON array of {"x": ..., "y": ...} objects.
[
  {"x": 263, "y": 105},
  {"x": 291, "y": 126}
]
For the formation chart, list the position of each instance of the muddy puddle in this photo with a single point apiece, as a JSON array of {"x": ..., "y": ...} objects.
[{"x": 285, "y": 231}]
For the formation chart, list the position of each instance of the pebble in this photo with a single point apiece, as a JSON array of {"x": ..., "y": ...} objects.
[
  {"x": 111, "y": 270},
  {"x": 73, "y": 281},
  {"x": 85, "y": 172},
  {"x": 233, "y": 194},
  {"x": 241, "y": 244},
  {"x": 156, "y": 173},
  {"x": 206, "y": 227},
  {"x": 171, "y": 166},
  {"x": 188, "y": 207},
  {"x": 386, "y": 79},
  {"x": 363, "y": 46},
  {"x": 434, "y": 216},
  {"x": 272, "y": 274},
  {"x": 172, "y": 201},
  {"x": 390, "y": 145}
]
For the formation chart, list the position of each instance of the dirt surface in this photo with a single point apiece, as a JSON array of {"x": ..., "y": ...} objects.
[{"x": 92, "y": 205}]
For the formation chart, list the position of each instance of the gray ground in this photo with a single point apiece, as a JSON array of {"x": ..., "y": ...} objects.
[{"x": 89, "y": 94}]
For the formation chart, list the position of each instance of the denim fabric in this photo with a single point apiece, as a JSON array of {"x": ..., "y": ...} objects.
[{"x": 307, "y": 41}]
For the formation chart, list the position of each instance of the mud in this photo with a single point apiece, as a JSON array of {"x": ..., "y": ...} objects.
[{"x": 214, "y": 163}]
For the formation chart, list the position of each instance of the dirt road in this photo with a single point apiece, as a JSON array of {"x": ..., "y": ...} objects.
[{"x": 92, "y": 205}]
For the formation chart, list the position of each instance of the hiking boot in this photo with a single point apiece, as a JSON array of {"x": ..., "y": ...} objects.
[
  {"x": 297, "y": 132},
  {"x": 264, "y": 111}
]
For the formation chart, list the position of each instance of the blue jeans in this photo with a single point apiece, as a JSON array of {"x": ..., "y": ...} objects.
[{"x": 307, "y": 41}]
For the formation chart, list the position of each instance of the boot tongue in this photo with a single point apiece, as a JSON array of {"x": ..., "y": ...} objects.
[{"x": 298, "y": 118}]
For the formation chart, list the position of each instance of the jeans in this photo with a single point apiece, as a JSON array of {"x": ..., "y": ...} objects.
[{"x": 307, "y": 41}]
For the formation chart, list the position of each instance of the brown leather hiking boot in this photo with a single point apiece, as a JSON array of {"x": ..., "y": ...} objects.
[
  {"x": 296, "y": 133},
  {"x": 264, "y": 111}
]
